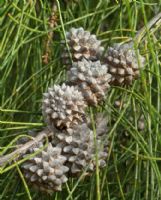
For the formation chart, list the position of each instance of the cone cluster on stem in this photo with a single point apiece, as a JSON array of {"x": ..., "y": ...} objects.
[{"x": 75, "y": 146}]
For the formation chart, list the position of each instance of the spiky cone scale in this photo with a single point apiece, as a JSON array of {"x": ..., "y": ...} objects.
[
  {"x": 78, "y": 146},
  {"x": 63, "y": 107},
  {"x": 91, "y": 78},
  {"x": 81, "y": 45},
  {"x": 46, "y": 170},
  {"x": 123, "y": 64}
]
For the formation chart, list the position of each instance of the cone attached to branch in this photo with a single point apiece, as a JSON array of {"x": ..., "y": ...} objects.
[
  {"x": 46, "y": 170},
  {"x": 63, "y": 106},
  {"x": 91, "y": 78},
  {"x": 123, "y": 64},
  {"x": 81, "y": 45}
]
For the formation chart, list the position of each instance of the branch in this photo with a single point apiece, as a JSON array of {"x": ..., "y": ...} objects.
[
  {"x": 23, "y": 148},
  {"x": 142, "y": 32}
]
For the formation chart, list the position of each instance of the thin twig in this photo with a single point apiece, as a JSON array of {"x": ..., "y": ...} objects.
[
  {"x": 23, "y": 148},
  {"x": 52, "y": 23},
  {"x": 143, "y": 31}
]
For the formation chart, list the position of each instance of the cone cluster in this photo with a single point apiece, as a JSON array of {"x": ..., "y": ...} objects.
[
  {"x": 122, "y": 60},
  {"x": 74, "y": 147}
]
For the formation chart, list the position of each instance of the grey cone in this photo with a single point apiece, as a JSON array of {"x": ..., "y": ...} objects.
[
  {"x": 123, "y": 64},
  {"x": 81, "y": 45},
  {"x": 63, "y": 106},
  {"x": 91, "y": 78},
  {"x": 46, "y": 170},
  {"x": 80, "y": 148}
]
